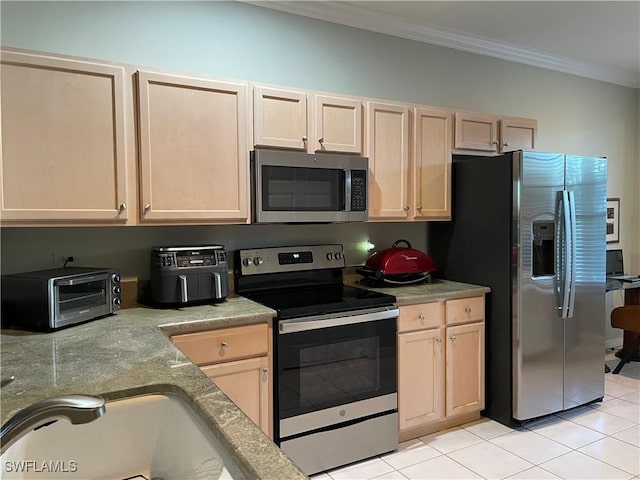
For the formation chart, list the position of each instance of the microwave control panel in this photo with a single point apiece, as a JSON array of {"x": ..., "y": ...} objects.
[{"x": 358, "y": 190}]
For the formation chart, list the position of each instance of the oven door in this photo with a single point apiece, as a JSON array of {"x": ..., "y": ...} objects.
[
  {"x": 76, "y": 299},
  {"x": 334, "y": 369},
  {"x": 296, "y": 187}
]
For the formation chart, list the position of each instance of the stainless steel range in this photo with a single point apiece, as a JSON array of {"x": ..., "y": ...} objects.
[{"x": 334, "y": 354}]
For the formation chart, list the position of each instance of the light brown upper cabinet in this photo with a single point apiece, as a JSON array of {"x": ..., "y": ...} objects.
[
  {"x": 194, "y": 151},
  {"x": 306, "y": 121},
  {"x": 338, "y": 124},
  {"x": 387, "y": 146},
  {"x": 64, "y": 151},
  {"x": 431, "y": 188},
  {"x": 279, "y": 118},
  {"x": 492, "y": 134},
  {"x": 408, "y": 184}
]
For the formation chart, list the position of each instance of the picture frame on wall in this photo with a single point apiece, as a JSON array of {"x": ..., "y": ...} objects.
[{"x": 613, "y": 220}]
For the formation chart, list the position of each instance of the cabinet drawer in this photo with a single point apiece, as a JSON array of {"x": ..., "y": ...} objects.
[
  {"x": 465, "y": 310},
  {"x": 225, "y": 344},
  {"x": 420, "y": 317}
]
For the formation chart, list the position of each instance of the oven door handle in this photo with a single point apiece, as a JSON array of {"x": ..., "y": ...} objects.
[{"x": 326, "y": 321}]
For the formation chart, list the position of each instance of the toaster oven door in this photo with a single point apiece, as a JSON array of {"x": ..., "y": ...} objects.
[{"x": 76, "y": 299}]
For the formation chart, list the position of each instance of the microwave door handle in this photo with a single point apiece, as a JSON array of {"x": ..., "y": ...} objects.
[
  {"x": 184, "y": 294},
  {"x": 217, "y": 285},
  {"x": 346, "y": 205}
]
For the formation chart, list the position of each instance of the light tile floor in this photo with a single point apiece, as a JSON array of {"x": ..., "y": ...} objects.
[{"x": 599, "y": 441}]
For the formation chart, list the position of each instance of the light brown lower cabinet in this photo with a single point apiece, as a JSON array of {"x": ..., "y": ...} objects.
[
  {"x": 238, "y": 361},
  {"x": 246, "y": 383},
  {"x": 440, "y": 368}
]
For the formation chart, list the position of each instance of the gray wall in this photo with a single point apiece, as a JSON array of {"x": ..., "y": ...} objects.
[{"x": 235, "y": 40}]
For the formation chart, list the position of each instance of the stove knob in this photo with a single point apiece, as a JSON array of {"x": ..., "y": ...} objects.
[
  {"x": 338, "y": 256},
  {"x": 258, "y": 261},
  {"x": 329, "y": 256},
  {"x": 247, "y": 262}
]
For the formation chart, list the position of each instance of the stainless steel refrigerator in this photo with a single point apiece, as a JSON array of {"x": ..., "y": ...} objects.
[{"x": 532, "y": 226}]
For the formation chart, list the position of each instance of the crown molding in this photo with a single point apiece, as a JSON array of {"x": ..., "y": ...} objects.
[{"x": 358, "y": 17}]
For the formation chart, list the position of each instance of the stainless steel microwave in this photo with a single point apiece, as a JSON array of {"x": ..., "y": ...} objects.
[
  {"x": 294, "y": 187},
  {"x": 51, "y": 299}
]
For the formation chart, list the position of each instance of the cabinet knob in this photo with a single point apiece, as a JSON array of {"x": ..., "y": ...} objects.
[
  {"x": 468, "y": 311},
  {"x": 304, "y": 139},
  {"x": 421, "y": 316},
  {"x": 452, "y": 338},
  {"x": 265, "y": 370},
  {"x": 419, "y": 208},
  {"x": 439, "y": 339},
  {"x": 505, "y": 144},
  {"x": 224, "y": 345},
  {"x": 494, "y": 142},
  {"x": 321, "y": 140},
  {"x": 406, "y": 209},
  {"x": 146, "y": 208},
  {"x": 122, "y": 207}
]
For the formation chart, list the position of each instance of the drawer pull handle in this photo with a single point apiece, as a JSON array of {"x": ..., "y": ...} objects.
[
  {"x": 468, "y": 311},
  {"x": 224, "y": 345},
  {"x": 421, "y": 316}
]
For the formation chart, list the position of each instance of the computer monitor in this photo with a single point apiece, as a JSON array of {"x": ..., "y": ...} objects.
[{"x": 615, "y": 265}]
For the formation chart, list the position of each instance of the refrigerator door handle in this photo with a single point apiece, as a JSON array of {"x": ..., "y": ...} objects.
[
  {"x": 572, "y": 254},
  {"x": 562, "y": 274}
]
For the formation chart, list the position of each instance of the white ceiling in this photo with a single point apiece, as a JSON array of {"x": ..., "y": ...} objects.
[{"x": 594, "y": 39}]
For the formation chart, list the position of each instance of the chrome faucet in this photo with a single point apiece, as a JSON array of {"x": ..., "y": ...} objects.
[{"x": 77, "y": 409}]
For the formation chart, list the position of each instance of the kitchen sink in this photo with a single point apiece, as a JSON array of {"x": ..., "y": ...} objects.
[{"x": 148, "y": 437}]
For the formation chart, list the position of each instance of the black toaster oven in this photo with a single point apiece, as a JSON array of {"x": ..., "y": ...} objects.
[{"x": 51, "y": 299}]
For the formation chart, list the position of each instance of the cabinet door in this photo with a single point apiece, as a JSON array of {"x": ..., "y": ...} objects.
[
  {"x": 388, "y": 151},
  {"x": 246, "y": 383},
  {"x": 63, "y": 140},
  {"x": 476, "y": 131},
  {"x": 338, "y": 124},
  {"x": 518, "y": 134},
  {"x": 279, "y": 118},
  {"x": 194, "y": 154},
  {"x": 432, "y": 164},
  {"x": 465, "y": 368},
  {"x": 420, "y": 378}
]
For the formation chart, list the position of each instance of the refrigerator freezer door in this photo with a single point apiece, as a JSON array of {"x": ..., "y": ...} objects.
[
  {"x": 537, "y": 325},
  {"x": 586, "y": 179}
]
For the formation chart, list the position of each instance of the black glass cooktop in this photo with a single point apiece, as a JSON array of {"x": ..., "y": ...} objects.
[{"x": 300, "y": 302}]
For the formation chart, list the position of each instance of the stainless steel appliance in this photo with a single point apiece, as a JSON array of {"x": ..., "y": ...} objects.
[
  {"x": 335, "y": 355},
  {"x": 532, "y": 227},
  {"x": 51, "y": 299},
  {"x": 293, "y": 187},
  {"x": 188, "y": 275}
]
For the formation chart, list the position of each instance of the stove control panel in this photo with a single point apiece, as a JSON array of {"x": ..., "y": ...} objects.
[{"x": 290, "y": 259}]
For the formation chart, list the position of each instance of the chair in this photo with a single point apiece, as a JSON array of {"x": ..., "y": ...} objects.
[{"x": 628, "y": 319}]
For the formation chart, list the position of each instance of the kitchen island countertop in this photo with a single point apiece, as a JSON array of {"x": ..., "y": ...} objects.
[{"x": 130, "y": 354}]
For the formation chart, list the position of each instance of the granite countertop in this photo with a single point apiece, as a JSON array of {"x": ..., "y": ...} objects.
[
  {"x": 130, "y": 354},
  {"x": 424, "y": 292}
]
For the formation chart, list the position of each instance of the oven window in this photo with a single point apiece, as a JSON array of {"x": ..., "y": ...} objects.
[
  {"x": 299, "y": 189},
  {"x": 327, "y": 372},
  {"x": 324, "y": 368},
  {"x": 81, "y": 296}
]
